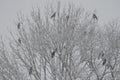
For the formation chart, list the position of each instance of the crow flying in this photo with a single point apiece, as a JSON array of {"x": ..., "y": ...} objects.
[
  {"x": 53, "y": 15},
  {"x": 95, "y": 17},
  {"x": 53, "y": 53}
]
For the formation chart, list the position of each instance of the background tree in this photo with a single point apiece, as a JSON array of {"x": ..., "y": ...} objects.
[{"x": 71, "y": 46}]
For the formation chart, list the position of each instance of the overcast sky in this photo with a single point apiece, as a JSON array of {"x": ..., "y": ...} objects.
[{"x": 106, "y": 9}]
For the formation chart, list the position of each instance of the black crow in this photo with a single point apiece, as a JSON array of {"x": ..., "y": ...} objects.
[
  {"x": 18, "y": 26},
  {"x": 104, "y": 61},
  {"x": 95, "y": 17},
  {"x": 102, "y": 55},
  {"x": 85, "y": 32},
  {"x": 53, "y": 53},
  {"x": 53, "y": 15},
  {"x": 19, "y": 40},
  {"x": 30, "y": 70},
  {"x": 67, "y": 17}
]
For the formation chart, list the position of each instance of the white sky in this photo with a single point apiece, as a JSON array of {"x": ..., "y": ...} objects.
[{"x": 106, "y": 9}]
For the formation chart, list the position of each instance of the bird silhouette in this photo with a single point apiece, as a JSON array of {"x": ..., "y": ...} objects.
[
  {"x": 30, "y": 70},
  {"x": 102, "y": 55},
  {"x": 95, "y": 17},
  {"x": 19, "y": 40},
  {"x": 53, "y": 53},
  {"x": 18, "y": 26},
  {"x": 53, "y": 15},
  {"x": 104, "y": 61},
  {"x": 85, "y": 32},
  {"x": 67, "y": 17}
]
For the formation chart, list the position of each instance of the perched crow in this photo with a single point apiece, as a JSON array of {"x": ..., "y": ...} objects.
[
  {"x": 85, "y": 32},
  {"x": 30, "y": 70},
  {"x": 95, "y": 17},
  {"x": 18, "y": 26},
  {"x": 67, "y": 17},
  {"x": 53, "y": 15},
  {"x": 102, "y": 54},
  {"x": 104, "y": 61},
  {"x": 53, "y": 53},
  {"x": 19, "y": 40}
]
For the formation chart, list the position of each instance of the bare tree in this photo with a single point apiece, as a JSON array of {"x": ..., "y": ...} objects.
[{"x": 69, "y": 47}]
